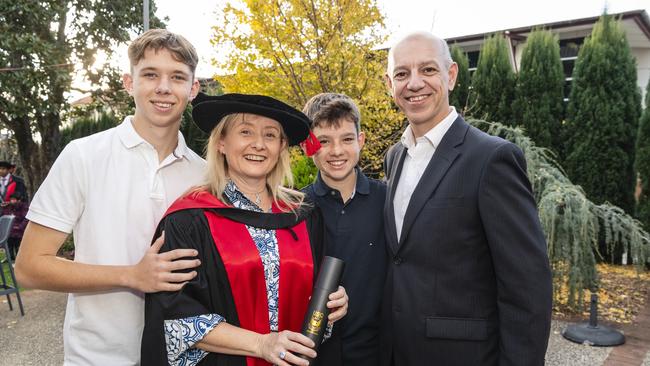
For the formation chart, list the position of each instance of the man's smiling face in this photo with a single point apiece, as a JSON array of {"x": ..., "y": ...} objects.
[{"x": 420, "y": 79}]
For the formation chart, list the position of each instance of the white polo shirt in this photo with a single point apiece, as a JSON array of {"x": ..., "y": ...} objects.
[{"x": 110, "y": 190}]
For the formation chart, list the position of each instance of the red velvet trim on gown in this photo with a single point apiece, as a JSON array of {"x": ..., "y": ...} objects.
[{"x": 246, "y": 272}]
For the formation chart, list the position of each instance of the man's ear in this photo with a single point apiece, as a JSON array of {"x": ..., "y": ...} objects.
[
  {"x": 196, "y": 88},
  {"x": 362, "y": 139},
  {"x": 127, "y": 82},
  {"x": 389, "y": 84},
  {"x": 452, "y": 74}
]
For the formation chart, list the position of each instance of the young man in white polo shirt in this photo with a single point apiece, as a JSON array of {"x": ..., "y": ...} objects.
[{"x": 110, "y": 189}]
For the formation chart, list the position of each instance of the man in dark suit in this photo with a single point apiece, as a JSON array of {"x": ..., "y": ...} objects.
[{"x": 469, "y": 280}]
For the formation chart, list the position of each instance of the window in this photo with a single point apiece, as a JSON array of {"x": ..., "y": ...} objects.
[
  {"x": 472, "y": 56},
  {"x": 569, "y": 49}
]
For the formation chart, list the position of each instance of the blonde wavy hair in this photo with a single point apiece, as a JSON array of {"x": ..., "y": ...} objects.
[{"x": 279, "y": 181}]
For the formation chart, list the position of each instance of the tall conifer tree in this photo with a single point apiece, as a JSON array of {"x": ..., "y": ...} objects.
[
  {"x": 603, "y": 116},
  {"x": 458, "y": 97},
  {"x": 538, "y": 103},
  {"x": 493, "y": 82},
  {"x": 643, "y": 163}
]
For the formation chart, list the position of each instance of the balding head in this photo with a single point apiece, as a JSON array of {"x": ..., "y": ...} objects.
[
  {"x": 439, "y": 44},
  {"x": 420, "y": 75}
]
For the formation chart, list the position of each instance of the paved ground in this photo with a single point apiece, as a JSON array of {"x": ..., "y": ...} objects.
[
  {"x": 35, "y": 339},
  {"x": 564, "y": 353}
]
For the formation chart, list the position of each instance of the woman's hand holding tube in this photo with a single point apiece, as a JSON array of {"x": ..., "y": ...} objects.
[{"x": 283, "y": 348}]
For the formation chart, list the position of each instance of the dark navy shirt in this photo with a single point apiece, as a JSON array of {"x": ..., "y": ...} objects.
[{"x": 355, "y": 233}]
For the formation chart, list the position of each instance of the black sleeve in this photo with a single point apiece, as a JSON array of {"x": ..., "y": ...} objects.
[
  {"x": 518, "y": 249},
  {"x": 207, "y": 293},
  {"x": 388, "y": 163},
  {"x": 21, "y": 189},
  {"x": 316, "y": 230}
]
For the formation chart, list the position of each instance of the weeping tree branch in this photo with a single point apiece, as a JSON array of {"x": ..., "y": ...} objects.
[{"x": 571, "y": 222}]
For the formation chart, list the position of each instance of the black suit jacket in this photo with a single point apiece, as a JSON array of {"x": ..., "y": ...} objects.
[
  {"x": 469, "y": 281},
  {"x": 21, "y": 188}
]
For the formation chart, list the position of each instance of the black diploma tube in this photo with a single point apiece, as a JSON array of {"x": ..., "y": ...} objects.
[{"x": 315, "y": 322}]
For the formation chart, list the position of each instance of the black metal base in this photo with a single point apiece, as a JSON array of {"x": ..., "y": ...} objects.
[{"x": 598, "y": 335}]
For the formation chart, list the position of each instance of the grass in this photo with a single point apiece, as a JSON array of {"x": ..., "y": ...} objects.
[{"x": 5, "y": 270}]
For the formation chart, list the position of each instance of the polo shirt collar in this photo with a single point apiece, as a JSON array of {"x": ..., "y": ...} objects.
[
  {"x": 362, "y": 185},
  {"x": 131, "y": 139}
]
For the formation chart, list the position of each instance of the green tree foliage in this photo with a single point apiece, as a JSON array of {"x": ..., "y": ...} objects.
[
  {"x": 538, "y": 105},
  {"x": 603, "y": 114},
  {"x": 87, "y": 125},
  {"x": 194, "y": 137},
  {"x": 493, "y": 82},
  {"x": 458, "y": 96},
  {"x": 294, "y": 49},
  {"x": 571, "y": 222},
  {"x": 43, "y": 44},
  {"x": 642, "y": 164},
  {"x": 303, "y": 168}
]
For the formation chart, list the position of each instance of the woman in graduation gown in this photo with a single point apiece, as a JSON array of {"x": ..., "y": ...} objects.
[{"x": 258, "y": 242}]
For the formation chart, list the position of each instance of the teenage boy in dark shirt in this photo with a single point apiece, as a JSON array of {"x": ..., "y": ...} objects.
[{"x": 352, "y": 205}]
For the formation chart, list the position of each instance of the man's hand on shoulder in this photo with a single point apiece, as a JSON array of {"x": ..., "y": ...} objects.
[{"x": 160, "y": 271}]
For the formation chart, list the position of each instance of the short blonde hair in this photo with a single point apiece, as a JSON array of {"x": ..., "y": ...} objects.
[
  {"x": 157, "y": 39},
  {"x": 285, "y": 197}
]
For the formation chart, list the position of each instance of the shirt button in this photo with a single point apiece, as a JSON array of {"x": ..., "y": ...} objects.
[
  {"x": 397, "y": 261},
  {"x": 342, "y": 212},
  {"x": 333, "y": 193}
]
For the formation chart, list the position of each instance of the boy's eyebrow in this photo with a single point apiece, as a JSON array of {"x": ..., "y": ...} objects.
[
  {"x": 181, "y": 72},
  {"x": 148, "y": 69},
  {"x": 325, "y": 134},
  {"x": 151, "y": 68}
]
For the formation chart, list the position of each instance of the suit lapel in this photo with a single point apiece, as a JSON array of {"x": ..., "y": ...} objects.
[
  {"x": 445, "y": 155},
  {"x": 397, "y": 163}
]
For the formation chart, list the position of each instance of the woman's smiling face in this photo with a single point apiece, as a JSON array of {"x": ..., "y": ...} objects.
[{"x": 252, "y": 147}]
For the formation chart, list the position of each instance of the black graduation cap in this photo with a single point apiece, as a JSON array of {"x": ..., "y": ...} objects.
[{"x": 208, "y": 110}]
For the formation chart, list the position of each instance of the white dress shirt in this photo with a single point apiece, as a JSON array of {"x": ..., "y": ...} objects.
[
  {"x": 419, "y": 153},
  {"x": 4, "y": 181}
]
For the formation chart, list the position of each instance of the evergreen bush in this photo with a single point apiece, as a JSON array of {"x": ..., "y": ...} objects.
[
  {"x": 87, "y": 125},
  {"x": 643, "y": 164},
  {"x": 603, "y": 116},
  {"x": 539, "y": 95},
  {"x": 493, "y": 82},
  {"x": 458, "y": 96},
  {"x": 571, "y": 222}
]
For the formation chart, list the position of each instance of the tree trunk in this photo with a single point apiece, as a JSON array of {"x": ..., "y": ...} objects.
[{"x": 29, "y": 152}]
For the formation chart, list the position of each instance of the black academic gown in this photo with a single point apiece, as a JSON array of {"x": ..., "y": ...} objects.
[{"x": 210, "y": 292}]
